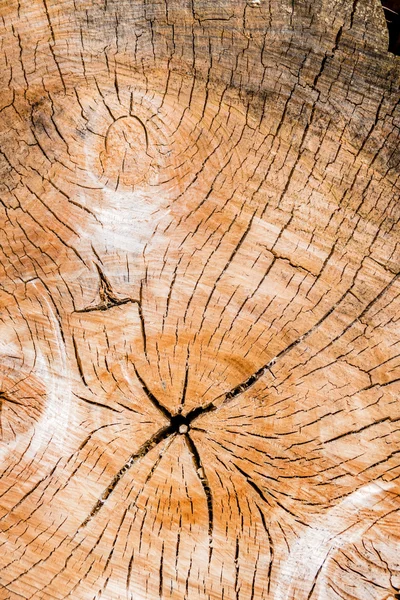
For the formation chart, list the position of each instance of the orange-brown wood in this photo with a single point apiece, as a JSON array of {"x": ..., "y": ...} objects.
[{"x": 199, "y": 300}]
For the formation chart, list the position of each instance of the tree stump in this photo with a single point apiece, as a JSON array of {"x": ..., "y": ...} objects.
[{"x": 199, "y": 300}]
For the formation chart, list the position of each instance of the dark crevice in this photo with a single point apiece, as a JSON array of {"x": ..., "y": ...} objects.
[
  {"x": 392, "y": 15},
  {"x": 315, "y": 580},
  {"x": 185, "y": 382},
  {"x": 206, "y": 488},
  {"x": 160, "y": 586},
  {"x": 179, "y": 420},
  {"x": 78, "y": 361},
  {"x": 5, "y": 398},
  {"x": 95, "y": 403},
  {"x": 107, "y": 297},
  {"x": 152, "y": 398},
  {"x": 245, "y": 385},
  {"x": 200, "y": 410},
  {"x": 178, "y": 423},
  {"x": 271, "y": 546},
  {"x": 157, "y": 462},
  {"x": 158, "y": 437},
  {"x": 252, "y": 483},
  {"x": 141, "y": 317}
]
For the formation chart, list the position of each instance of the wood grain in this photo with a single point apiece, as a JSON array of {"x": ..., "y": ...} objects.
[{"x": 199, "y": 299}]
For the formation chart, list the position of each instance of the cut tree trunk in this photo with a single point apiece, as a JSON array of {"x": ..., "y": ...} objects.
[{"x": 199, "y": 300}]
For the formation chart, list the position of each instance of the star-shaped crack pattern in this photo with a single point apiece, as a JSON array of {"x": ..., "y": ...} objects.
[
  {"x": 179, "y": 423},
  {"x": 200, "y": 273}
]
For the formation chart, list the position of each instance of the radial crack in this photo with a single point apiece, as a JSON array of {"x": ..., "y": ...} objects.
[
  {"x": 152, "y": 398},
  {"x": 107, "y": 297},
  {"x": 185, "y": 382},
  {"x": 253, "y": 484},
  {"x": 206, "y": 488},
  {"x": 199, "y": 410},
  {"x": 158, "y": 437},
  {"x": 5, "y": 398},
  {"x": 245, "y": 385},
  {"x": 95, "y": 403}
]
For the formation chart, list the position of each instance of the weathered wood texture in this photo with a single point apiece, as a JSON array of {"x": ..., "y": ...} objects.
[{"x": 199, "y": 294}]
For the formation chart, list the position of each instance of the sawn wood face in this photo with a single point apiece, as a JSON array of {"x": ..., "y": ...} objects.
[{"x": 199, "y": 299}]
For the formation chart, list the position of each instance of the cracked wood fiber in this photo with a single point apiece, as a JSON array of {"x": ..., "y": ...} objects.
[{"x": 199, "y": 300}]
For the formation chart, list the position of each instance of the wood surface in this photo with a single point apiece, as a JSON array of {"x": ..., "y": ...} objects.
[{"x": 199, "y": 300}]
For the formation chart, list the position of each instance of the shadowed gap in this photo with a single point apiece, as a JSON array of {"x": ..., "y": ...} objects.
[{"x": 392, "y": 15}]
